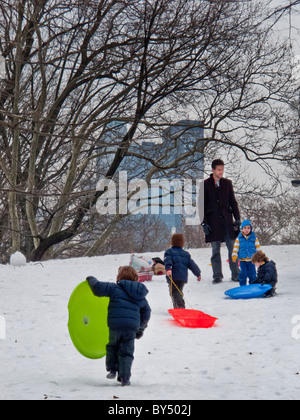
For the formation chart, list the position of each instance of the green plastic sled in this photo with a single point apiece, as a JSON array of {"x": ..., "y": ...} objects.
[{"x": 88, "y": 322}]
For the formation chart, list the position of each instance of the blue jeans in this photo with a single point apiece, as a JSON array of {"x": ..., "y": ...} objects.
[
  {"x": 217, "y": 262},
  {"x": 247, "y": 271},
  {"x": 119, "y": 352}
]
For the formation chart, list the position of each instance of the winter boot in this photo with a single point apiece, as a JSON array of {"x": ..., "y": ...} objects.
[
  {"x": 112, "y": 374},
  {"x": 125, "y": 382}
]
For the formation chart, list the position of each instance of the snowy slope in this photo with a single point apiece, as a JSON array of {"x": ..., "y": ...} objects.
[{"x": 250, "y": 354}]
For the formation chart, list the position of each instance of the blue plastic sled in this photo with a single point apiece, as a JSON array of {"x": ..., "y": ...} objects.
[{"x": 248, "y": 292}]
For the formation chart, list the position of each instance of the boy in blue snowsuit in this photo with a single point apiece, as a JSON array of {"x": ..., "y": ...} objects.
[
  {"x": 245, "y": 246},
  {"x": 177, "y": 263},
  {"x": 128, "y": 316}
]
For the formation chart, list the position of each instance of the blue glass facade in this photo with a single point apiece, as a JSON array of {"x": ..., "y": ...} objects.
[{"x": 167, "y": 197}]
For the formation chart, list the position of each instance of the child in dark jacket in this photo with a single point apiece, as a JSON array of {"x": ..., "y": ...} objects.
[
  {"x": 266, "y": 273},
  {"x": 128, "y": 316},
  {"x": 177, "y": 263}
]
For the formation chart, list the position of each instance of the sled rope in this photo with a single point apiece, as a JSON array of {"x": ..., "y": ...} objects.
[{"x": 170, "y": 277}]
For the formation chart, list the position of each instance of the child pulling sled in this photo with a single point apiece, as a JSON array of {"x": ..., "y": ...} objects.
[{"x": 177, "y": 262}]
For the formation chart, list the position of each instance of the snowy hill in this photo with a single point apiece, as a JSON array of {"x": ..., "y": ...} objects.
[{"x": 251, "y": 353}]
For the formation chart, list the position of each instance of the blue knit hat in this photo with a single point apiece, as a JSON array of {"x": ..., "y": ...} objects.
[{"x": 246, "y": 223}]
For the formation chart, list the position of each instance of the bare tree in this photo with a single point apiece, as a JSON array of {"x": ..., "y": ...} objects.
[
  {"x": 76, "y": 69},
  {"x": 275, "y": 222}
]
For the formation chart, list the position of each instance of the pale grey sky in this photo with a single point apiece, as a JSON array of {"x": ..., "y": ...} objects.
[{"x": 289, "y": 26}]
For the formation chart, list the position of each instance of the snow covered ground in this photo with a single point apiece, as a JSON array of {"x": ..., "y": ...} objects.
[{"x": 253, "y": 352}]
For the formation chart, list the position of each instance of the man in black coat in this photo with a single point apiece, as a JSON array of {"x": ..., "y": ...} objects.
[{"x": 220, "y": 206}]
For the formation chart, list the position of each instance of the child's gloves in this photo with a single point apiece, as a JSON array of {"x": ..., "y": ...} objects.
[
  {"x": 169, "y": 273},
  {"x": 199, "y": 278},
  {"x": 139, "y": 333},
  {"x": 234, "y": 258}
]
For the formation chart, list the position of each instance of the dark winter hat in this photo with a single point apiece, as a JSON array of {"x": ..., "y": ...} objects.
[{"x": 178, "y": 240}]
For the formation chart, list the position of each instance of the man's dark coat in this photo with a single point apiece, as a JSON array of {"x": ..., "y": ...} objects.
[{"x": 220, "y": 206}]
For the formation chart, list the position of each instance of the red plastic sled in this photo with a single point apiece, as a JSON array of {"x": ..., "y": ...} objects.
[
  {"x": 145, "y": 276},
  {"x": 192, "y": 318}
]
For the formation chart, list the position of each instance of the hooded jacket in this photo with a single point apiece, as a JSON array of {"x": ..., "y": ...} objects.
[
  {"x": 128, "y": 307},
  {"x": 267, "y": 273},
  {"x": 180, "y": 261}
]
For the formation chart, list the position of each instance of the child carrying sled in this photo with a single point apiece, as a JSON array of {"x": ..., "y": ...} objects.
[
  {"x": 266, "y": 273},
  {"x": 177, "y": 263},
  {"x": 128, "y": 316}
]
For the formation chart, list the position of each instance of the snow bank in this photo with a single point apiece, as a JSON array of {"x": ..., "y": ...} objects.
[{"x": 252, "y": 353}]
